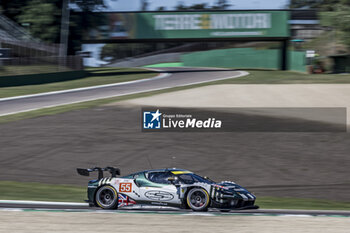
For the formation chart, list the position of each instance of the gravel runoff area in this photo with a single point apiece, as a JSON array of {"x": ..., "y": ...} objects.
[
  {"x": 250, "y": 95},
  {"x": 36, "y": 222}
]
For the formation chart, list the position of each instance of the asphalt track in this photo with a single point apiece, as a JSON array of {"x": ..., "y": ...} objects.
[
  {"x": 82, "y": 207},
  {"x": 168, "y": 78}
]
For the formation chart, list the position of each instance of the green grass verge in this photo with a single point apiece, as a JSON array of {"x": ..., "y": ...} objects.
[
  {"x": 11, "y": 190},
  {"x": 95, "y": 76},
  {"x": 286, "y": 77},
  {"x": 166, "y": 64},
  {"x": 300, "y": 203},
  {"x": 31, "y": 69}
]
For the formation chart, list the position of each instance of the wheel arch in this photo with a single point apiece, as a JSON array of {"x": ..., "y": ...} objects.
[
  {"x": 101, "y": 186},
  {"x": 188, "y": 190}
]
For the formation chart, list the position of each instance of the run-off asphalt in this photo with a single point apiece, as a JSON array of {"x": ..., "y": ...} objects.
[{"x": 37, "y": 222}]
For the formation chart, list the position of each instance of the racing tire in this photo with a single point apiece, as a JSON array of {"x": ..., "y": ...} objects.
[
  {"x": 107, "y": 197},
  {"x": 198, "y": 199}
]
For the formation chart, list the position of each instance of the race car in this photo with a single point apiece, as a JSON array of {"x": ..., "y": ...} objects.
[{"x": 165, "y": 187}]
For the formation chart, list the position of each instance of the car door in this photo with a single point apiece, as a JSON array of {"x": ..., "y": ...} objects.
[{"x": 157, "y": 190}]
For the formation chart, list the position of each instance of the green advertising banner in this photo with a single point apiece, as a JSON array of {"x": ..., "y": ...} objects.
[{"x": 191, "y": 25}]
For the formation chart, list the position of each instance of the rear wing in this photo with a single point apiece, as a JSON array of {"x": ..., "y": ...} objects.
[{"x": 86, "y": 172}]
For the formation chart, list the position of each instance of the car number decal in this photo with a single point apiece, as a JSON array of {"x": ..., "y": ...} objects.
[{"x": 125, "y": 187}]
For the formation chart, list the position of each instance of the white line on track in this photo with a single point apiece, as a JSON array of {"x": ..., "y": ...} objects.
[
  {"x": 159, "y": 76},
  {"x": 241, "y": 73}
]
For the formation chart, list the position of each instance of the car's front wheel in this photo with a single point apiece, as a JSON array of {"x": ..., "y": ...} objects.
[
  {"x": 198, "y": 199},
  {"x": 107, "y": 197}
]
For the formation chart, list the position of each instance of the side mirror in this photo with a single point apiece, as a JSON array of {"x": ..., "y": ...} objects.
[
  {"x": 207, "y": 178},
  {"x": 171, "y": 179},
  {"x": 83, "y": 172}
]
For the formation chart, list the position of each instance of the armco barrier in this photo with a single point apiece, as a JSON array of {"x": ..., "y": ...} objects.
[
  {"x": 244, "y": 58},
  {"x": 33, "y": 79}
]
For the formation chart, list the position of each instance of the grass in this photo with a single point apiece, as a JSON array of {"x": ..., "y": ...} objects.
[
  {"x": 287, "y": 77},
  {"x": 166, "y": 64},
  {"x": 300, "y": 203},
  {"x": 11, "y": 190},
  {"x": 95, "y": 77},
  {"x": 30, "y": 69}
]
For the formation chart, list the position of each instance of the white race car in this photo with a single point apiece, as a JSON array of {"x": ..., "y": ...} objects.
[{"x": 165, "y": 187}]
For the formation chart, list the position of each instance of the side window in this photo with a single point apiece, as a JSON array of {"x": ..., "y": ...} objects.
[
  {"x": 159, "y": 177},
  {"x": 186, "y": 179}
]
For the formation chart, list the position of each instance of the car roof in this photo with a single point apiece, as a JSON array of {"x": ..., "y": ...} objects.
[{"x": 173, "y": 170}]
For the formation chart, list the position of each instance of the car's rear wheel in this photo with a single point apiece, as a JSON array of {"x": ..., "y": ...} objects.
[
  {"x": 107, "y": 197},
  {"x": 198, "y": 199}
]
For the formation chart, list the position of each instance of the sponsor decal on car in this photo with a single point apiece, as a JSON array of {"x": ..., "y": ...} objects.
[
  {"x": 220, "y": 186},
  {"x": 159, "y": 195},
  {"x": 124, "y": 200},
  {"x": 180, "y": 172}
]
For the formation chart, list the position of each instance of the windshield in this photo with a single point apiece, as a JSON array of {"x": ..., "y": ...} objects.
[{"x": 193, "y": 178}]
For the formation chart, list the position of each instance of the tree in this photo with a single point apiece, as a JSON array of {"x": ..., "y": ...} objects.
[
  {"x": 144, "y": 5},
  {"x": 333, "y": 14},
  {"x": 42, "y": 18},
  {"x": 221, "y": 5},
  {"x": 12, "y": 8},
  {"x": 338, "y": 20},
  {"x": 161, "y": 8},
  {"x": 89, "y": 5},
  {"x": 181, "y": 7},
  {"x": 323, "y": 5}
]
